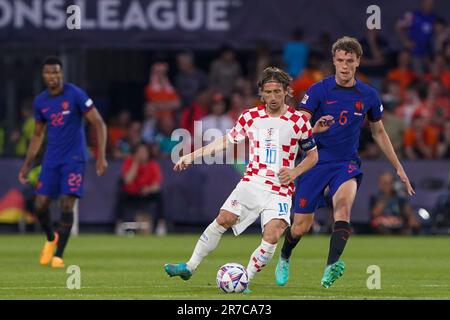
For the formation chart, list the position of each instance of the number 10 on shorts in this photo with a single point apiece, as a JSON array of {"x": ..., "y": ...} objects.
[{"x": 283, "y": 208}]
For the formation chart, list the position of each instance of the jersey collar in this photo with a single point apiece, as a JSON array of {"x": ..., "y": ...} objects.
[{"x": 334, "y": 85}]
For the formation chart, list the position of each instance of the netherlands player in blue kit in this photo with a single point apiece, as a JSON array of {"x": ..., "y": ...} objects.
[
  {"x": 59, "y": 111},
  {"x": 337, "y": 107}
]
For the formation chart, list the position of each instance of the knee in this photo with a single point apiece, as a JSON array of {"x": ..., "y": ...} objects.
[
  {"x": 342, "y": 213},
  {"x": 66, "y": 205},
  {"x": 226, "y": 220},
  {"x": 271, "y": 238},
  {"x": 40, "y": 206},
  {"x": 272, "y": 235},
  {"x": 301, "y": 229}
]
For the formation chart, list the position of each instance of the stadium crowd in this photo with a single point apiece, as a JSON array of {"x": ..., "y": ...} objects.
[{"x": 414, "y": 83}]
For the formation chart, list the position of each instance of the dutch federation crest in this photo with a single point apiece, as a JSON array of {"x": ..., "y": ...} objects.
[
  {"x": 65, "y": 107},
  {"x": 359, "y": 107}
]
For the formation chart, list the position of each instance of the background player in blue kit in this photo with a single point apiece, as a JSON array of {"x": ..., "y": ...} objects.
[
  {"x": 59, "y": 111},
  {"x": 337, "y": 107}
]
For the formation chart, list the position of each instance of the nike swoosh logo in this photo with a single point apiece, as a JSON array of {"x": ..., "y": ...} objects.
[
  {"x": 331, "y": 102},
  {"x": 45, "y": 110}
]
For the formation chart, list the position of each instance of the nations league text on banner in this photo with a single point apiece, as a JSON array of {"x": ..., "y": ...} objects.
[{"x": 181, "y": 24}]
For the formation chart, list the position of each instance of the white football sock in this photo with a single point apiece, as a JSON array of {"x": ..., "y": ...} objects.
[
  {"x": 208, "y": 242},
  {"x": 260, "y": 258}
]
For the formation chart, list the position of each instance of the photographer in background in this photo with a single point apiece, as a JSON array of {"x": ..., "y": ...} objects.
[{"x": 390, "y": 213}]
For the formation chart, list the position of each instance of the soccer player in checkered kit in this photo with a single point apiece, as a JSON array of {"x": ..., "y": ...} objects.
[{"x": 275, "y": 132}]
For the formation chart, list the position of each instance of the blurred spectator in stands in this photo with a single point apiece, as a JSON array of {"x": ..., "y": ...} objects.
[
  {"x": 390, "y": 94},
  {"x": 444, "y": 141},
  {"x": 421, "y": 139},
  {"x": 189, "y": 80},
  {"x": 12, "y": 141},
  {"x": 248, "y": 94},
  {"x": 132, "y": 139},
  {"x": 411, "y": 103},
  {"x": 403, "y": 73},
  {"x": 295, "y": 53},
  {"x": 436, "y": 107},
  {"x": 224, "y": 72},
  {"x": 160, "y": 93},
  {"x": 195, "y": 111},
  {"x": 310, "y": 75},
  {"x": 27, "y": 128},
  {"x": 394, "y": 125},
  {"x": 323, "y": 45},
  {"x": 217, "y": 119},
  {"x": 391, "y": 213},
  {"x": 149, "y": 126},
  {"x": 141, "y": 180},
  {"x": 441, "y": 35},
  {"x": 439, "y": 71},
  {"x": 447, "y": 52},
  {"x": 415, "y": 30},
  {"x": 260, "y": 61},
  {"x": 117, "y": 128},
  {"x": 163, "y": 138},
  {"x": 375, "y": 48},
  {"x": 237, "y": 105}
]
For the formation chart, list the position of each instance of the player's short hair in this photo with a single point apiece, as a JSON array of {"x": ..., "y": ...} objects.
[
  {"x": 274, "y": 74},
  {"x": 347, "y": 44},
  {"x": 52, "y": 60}
]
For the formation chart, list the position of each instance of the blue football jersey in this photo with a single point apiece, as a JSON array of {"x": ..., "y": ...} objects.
[
  {"x": 421, "y": 32},
  {"x": 349, "y": 107},
  {"x": 63, "y": 115}
]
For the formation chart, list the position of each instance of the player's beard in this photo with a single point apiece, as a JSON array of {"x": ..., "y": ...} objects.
[{"x": 54, "y": 85}]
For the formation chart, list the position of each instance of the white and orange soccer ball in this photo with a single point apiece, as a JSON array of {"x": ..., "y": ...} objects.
[{"x": 232, "y": 278}]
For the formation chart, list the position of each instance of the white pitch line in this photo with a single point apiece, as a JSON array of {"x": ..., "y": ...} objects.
[{"x": 87, "y": 287}]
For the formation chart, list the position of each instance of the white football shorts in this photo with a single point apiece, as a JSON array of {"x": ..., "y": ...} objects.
[{"x": 249, "y": 202}]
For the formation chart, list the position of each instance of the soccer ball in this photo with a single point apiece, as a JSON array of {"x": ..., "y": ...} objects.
[{"x": 232, "y": 277}]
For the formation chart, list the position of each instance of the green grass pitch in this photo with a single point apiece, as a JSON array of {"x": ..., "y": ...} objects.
[{"x": 132, "y": 268}]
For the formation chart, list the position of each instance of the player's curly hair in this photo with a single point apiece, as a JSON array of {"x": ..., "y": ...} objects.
[
  {"x": 347, "y": 44},
  {"x": 52, "y": 60},
  {"x": 274, "y": 74}
]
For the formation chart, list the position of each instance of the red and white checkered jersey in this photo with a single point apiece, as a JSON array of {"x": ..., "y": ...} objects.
[{"x": 273, "y": 143}]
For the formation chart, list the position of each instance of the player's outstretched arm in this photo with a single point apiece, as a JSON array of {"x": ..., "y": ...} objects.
[
  {"x": 95, "y": 119},
  {"x": 33, "y": 149},
  {"x": 288, "y": 175},
  {"x": 382, "y": 139},
  {"x": 217, "y": 145}
]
